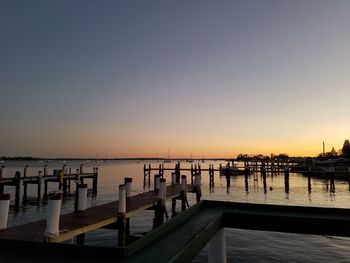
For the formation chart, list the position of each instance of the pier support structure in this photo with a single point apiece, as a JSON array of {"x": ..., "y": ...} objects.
[
  {"x": 122, "y": 216},
  {"x": 4, "y": 210},
  {"x": 217, "y": 248}
]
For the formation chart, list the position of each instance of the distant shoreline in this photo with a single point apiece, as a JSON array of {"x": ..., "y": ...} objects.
[{"x": 106, "y": 159}]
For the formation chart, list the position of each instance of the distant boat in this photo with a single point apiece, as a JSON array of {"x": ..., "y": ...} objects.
[{"x": 233, "y": 170}]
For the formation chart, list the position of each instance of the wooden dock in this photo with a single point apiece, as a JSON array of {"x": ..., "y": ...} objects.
[
  {"x": 183, "y": 237},
  {"x": 62, "y": 178},
  {"x": 77, "y": 223}
]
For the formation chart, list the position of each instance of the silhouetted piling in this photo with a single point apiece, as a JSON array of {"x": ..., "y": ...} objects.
[
  {"x": 94, "y": 182},
  {"x": 25, "y": 187},
  {"x": 198, "y": 190},
  {"x": 263, "y": 173},
  {"x": 40, "y": 176},
  {"x": 159, "y": 211},
  {"x": 17, "y": 182},
  {"x": 183, "y": 192},
  {"x": 309, "y": 184},
  {"x": 2, "y": 174},
  {"x": 228, "y": 178},
  {"x": 332, "y": 185},
  {"x": 211, "y": 176},
  {"x": 286, "y": 179}
]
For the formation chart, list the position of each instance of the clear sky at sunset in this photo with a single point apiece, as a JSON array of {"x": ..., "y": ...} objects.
[{"x": 141, "y": 78}]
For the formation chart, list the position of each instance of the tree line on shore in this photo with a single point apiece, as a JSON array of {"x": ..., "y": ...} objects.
[{"x": 344, "y": 152}]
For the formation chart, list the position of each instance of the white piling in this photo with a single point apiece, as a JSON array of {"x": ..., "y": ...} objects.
[
  {"x": 4, "y": 210},
  {"x": 162, "y": 189},
  {"x": 82, "y": 196},
  {"x": 128, "y": 183},
  {"x": 217, "y": 248},
  {"x": 81, "y": 169},
  {"x": 122, "y": 199},
  {"x": 53, "y": 215}
]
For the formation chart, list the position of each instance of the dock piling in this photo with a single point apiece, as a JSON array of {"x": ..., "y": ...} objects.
[
  {"x": 2, "y": 175},
  {"x": 122, "y": 216},
  {"x": 173, "y": 178},
  {"x": 160, "y": 210},
  {"x": 197, "y": 183},
  {"x": 286, "y": 179},
  {"x": 156, "y": 182},
  {"x": 217, "y": 248},
  {"x": 40, "y": 179},
  {"x": 4, "y": 210},
  {"x": 128, "y": 183},
  {"x": 17, "y": 181},
  {"x": 183, "y": 192},
  {"x": 25, "y": 186},
  {"x": 82, "y": 196},
  {"x": 53, "y": 215},
  {"x": 94, "y": 182}
]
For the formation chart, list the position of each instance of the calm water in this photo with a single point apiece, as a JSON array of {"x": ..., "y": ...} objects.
[{"x": 242, "y": 245}]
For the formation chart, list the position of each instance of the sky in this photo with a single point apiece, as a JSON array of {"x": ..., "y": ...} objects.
[{"x": 173, "y": 78}]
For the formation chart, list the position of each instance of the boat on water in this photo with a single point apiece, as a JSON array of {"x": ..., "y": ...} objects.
[{"x": 231, "y": 170}]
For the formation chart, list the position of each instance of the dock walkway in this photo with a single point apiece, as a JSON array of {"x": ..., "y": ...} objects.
[{"x": 76, "y": 223}]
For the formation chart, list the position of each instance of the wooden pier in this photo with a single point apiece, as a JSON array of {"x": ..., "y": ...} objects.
[
  {"x": 77, "y": 223},
  {"x": 63, "y": 178}
]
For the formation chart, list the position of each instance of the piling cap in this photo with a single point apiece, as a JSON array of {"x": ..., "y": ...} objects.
[
  {"x": 55, "y": 195},
  {"x": 82, "y": 185},
  {"x": 5, "y": 196},
  {"x": 127, "y": 179}
]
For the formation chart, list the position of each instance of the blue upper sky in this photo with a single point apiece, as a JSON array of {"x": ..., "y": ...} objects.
[{"x": 139, "y": 78}]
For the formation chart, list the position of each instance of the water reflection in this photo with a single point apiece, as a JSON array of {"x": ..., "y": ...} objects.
[{"x": 251, "y": 186}]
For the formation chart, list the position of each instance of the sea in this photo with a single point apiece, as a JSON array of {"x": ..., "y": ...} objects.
[{"x": 242, "y": 245}]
